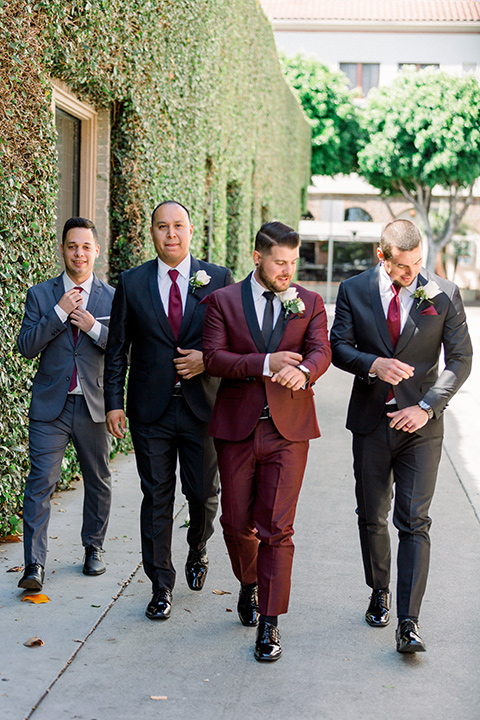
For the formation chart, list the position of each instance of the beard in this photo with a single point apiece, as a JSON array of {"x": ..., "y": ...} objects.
[{"x": 269, "y": 283}]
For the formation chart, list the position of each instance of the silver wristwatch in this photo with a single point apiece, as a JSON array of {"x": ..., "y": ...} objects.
[{"x": 425, "y": 406}]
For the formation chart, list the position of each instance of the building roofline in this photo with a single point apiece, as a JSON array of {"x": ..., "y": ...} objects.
[{"x": 385, "y": 26}]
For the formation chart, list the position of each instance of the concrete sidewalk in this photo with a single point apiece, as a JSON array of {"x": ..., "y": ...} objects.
[{"x": 103, "y": 660}]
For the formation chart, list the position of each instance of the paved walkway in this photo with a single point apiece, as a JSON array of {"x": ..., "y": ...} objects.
[{"x": 103, "y": 660}]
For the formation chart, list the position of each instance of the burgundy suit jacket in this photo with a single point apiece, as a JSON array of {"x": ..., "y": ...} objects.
[{"x": 234, "y": 350}]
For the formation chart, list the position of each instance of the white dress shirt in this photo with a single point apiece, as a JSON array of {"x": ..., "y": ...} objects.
[
  {"x": 260, "y": 303},
  {"x": 165, "y": 281},
  {"x": 96, "y": 328},
  {"x": 405, "y": 295}
]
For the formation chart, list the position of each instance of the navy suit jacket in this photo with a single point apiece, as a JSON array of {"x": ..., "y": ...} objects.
[
  {"x": 140, "y": 332},
  {"x": 360, "y": 334},
  {"x": 42, "y": 332}
]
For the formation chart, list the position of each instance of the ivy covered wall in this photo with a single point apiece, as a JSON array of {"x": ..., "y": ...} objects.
[{"x": 200, "y": 112}]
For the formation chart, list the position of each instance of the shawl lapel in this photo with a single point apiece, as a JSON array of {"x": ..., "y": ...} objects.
[{"x": 377, "y": 309}]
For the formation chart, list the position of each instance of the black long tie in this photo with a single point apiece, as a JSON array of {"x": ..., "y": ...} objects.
[{"x": 267, "y": 325}]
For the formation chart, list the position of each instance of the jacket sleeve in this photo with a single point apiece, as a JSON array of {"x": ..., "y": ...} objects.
[
  {"x": 38, "y": 329},
  {"x": 219, "y": 360},
  {"x": 345, "y": 353},
  {"x": 317, "y": 354},
  {"x": 458, "y": 356},
  {"x": 116, "y": 353}
]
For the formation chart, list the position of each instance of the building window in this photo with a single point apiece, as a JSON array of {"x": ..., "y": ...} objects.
[
  {"x": 68, "y": 130},
  {"x": 76, "y": 125},
  {"x": 356, "y": 214},
  {"x": 363, "y": 76},
  {"x": 419, "y": 66}
]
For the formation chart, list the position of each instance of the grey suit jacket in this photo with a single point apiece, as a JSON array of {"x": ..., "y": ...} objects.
[
  {"x": 42, "y": 332},
  {"x": 360, "y": 334}
]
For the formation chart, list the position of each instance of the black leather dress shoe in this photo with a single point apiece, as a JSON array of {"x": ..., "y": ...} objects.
[
  {"x": 160, "y": 606},
  {"x": 33, "y": 577},
  {"x": 248, "y": 606},
  {"x": 408, "y": 639},
  {"x": 196, "y": 568},
  {"x": 93, "y": 563},
  {"x": 267, "y": 646},
  {"x": 378, "y": 612}
]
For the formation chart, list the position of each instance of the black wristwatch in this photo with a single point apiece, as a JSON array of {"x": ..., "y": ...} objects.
[{"x": 425, "y": 406}]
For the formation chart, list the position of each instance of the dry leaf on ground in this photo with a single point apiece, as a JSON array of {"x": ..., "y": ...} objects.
[
  {"x": 16, "y": 568},
  {"x": 34, "y": 642},
  {"x": 11, "y": 538},
  {"x": 37, "y": 599},
  {"x": 221, "y": 592}
]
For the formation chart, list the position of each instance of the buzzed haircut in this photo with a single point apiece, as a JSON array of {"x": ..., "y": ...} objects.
[
  {"x": 171, "y": 202},
  {"x": 79, "y": 222},
  {"x": 401, "y": 234},
  {"x": 275, "y": 233}
]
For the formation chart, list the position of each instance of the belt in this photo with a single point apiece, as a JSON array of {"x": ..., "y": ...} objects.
[
  {"x": 265, "y": 413},
  {"x": 177, "y": 391}
]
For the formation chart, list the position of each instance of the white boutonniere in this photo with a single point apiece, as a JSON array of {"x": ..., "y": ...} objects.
[
  {"x": 426, "y": 292},
  {"x": 291, "y": 301},
  {"x": 200, "y": 279}
]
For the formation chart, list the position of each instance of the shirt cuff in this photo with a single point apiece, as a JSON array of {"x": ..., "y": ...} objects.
[
  {"x": 266, "y": 366},
  {"x": 61, "y": 313},
  {"x": 95, "y": 331}
]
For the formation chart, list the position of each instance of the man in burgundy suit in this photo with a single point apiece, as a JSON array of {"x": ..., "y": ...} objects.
[{"x": 267, "y": 340}]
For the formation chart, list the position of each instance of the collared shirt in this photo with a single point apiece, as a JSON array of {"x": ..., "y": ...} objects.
[
  {"x": 386, "y": 294},
  {"x": 165, "y": 281},
  {"x": 95, "y": 330},
  {"x": 260, "y": 303}
]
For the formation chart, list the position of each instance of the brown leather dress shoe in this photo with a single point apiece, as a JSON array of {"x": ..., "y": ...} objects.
[
  {"x": 267, "y": 646},
  {"x": 407, "y": 637},
  {"x": 378, "y": 612},
  {"x": 247, "y": 606},
  {"x": 93, "y": 563},
  {"x": 33, "y": 577},
  {"x": 160, "y": 606},
  {"x": 196, "y": 568}
]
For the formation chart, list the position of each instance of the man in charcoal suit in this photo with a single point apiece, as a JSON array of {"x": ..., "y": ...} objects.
[
  {"x": 267, "y": 340},
  {"x": 66, "y": 323},
  {"x": 157, "y": 321},
  {"x": 390, "y": 325}
]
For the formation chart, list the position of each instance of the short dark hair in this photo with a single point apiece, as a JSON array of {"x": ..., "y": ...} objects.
[
  {"x": 401, "y": 234},
  {"x": 171, "y": 202},
  {"x": 275, "y": 233},
  {"x": 79, "y": 222}
]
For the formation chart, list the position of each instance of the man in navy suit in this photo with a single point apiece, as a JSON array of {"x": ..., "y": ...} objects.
[
  {"x": 390, "y": 325},
  {"x": 66, "y": 323},
  {"x": 157, "y": 322}
]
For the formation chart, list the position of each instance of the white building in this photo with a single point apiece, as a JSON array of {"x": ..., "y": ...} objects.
[{"x": 370, "y": 40}]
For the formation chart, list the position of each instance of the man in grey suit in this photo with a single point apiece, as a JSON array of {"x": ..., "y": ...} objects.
[
  {"x": 66, "y": 322},
  {"x": 390, "y": 325}
]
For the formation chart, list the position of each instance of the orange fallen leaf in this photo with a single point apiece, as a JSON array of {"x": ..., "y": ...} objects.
[
  {"x": 158, "y": 697},
  {"x": 15, "y": 568},
  {"x": 34, "y": 642},
  {"x": 37, "y": 599},
  {"x": 221, "y": 592},
  {"x": 228, "y": 610},
  {"x": 11, "y": 538}
]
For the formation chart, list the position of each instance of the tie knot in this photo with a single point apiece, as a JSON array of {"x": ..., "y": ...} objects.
[
  {"x": 173, "y": 275},
  {"x": 78, "y": 288},
  {"x": 396, "y": 289},
  {"x": 268, "y": 295}
]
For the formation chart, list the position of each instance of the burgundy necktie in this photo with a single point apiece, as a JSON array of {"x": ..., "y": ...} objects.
[
  {"x": 174, "y": 304},
  {"x": 394, "y": 323},
  {"x": 73, "y": 381}
]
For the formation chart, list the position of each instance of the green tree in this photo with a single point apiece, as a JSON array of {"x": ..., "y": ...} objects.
[
  {"x": 424, "y": 131},
  {"x": 327, "y": 100}
]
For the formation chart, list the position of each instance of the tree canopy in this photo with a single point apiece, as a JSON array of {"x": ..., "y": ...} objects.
[
  {"x": 327, "y": 100},
  {"x": 423, "y": 131}
]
